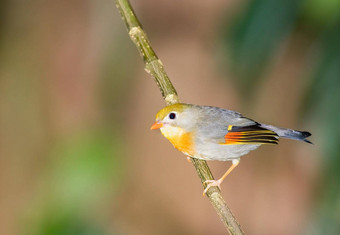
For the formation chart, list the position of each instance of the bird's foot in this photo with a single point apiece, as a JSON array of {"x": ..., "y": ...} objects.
[{"x": 212, "y": 183}]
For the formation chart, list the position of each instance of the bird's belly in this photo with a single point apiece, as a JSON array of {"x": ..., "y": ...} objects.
[{"x": 215, "y": 151}]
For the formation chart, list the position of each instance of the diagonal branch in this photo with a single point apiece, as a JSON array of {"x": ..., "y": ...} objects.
[{"x": 155, "y": 68}]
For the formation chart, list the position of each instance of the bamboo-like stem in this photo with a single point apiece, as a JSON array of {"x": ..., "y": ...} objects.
[{"x": 156, "y": 69}]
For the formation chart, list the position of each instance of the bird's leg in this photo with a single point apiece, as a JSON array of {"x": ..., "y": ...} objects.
[
  {"x": 189, "y": 159},
  {"x": 211, "y": 183}
]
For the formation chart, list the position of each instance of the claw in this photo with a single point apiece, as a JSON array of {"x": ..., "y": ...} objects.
[
  {"x": 217, "y": 183},
  {"x": 212, "y": 183}
]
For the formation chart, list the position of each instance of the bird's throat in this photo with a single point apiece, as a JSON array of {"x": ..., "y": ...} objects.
[{"x": 180, "y": 139}]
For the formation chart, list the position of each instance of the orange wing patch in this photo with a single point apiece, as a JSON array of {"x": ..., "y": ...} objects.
[{"x": 250, "y": 135}]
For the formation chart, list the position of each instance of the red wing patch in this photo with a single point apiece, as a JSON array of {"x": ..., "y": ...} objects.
[{"x": 250, "y": 135}]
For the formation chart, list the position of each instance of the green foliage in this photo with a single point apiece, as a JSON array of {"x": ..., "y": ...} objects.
[
  {"x": 321, "y": 13},
  {"x": 84, "y": 172},
  {"x": 254, "y": 40},
  {"x": 85, "y": 165},
  {"x": 64, "y": 225},
  {"x": 323, "y": 102},
  {"x": 255, "y": 37}
]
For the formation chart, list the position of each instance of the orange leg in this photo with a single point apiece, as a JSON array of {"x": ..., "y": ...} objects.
[
  {"x": 189, "y": 159},
  {"x": 217, "y": 183}
]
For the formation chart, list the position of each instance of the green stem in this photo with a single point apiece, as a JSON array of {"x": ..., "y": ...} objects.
[
  {"x": 156, "y": 69},
  {"x": 152, "y": 64}
]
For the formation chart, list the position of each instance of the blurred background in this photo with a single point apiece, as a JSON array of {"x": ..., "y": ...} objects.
[{"x": 76, "y": 152}]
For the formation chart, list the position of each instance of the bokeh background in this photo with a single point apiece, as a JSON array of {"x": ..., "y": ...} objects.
[{"x": 76, "y": 152}]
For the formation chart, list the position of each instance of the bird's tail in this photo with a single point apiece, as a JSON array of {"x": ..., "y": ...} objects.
[{"x": 289, "y": 133}]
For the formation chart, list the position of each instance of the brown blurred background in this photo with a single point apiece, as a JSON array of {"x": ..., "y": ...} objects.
[{"x": 76, "y": 152}]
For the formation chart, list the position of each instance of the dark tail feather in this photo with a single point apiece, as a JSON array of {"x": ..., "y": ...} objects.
[
  {"x": 306, "y": 134},
  {"x": 289, "y": 133}
]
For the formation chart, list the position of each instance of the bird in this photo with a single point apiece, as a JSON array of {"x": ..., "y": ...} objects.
[{"x": 212, "y": 133}]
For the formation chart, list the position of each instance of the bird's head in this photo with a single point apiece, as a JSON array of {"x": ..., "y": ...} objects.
[{"x": 176, "y": 116}]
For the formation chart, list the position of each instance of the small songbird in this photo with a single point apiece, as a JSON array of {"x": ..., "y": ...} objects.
[{"x": 211, "y": 133}]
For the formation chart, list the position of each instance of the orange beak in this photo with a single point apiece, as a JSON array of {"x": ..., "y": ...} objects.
[{"x": 156, "y": 125}]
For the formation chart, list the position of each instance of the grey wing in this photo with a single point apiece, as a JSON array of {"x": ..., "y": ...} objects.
[
  {"x": 216, "y": 122},
  {"x": 225, "y": 117}
]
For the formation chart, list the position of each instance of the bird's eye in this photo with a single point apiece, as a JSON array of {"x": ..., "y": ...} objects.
[{"x": 172, "y": 115}]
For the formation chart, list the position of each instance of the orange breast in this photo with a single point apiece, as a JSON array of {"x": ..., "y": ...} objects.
[{"x": 181, "y": 140}]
